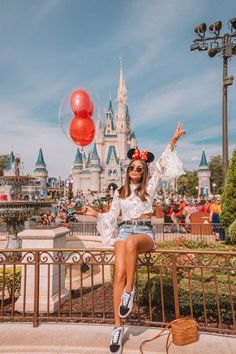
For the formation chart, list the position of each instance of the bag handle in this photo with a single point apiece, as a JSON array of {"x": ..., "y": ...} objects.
[{"x": 162, "y": 331}]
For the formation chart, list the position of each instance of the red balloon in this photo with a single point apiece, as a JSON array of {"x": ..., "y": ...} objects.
[
  {"x": 80, "y": 102},
  {"x": 83, "y": 115},
  {"x": 82, "y": 131}
]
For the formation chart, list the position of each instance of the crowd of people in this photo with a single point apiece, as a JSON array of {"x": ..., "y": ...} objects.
[{"x": 177, "y": 209}]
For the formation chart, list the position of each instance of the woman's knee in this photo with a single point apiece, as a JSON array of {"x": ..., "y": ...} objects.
[{"x": 131, "y": 244}]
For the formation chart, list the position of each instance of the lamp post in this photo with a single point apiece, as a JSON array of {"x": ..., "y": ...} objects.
[
  {"x": 214, "y": 188},
  {"x": 225, "y": 46},
  {"x": 197, "y": 190}
]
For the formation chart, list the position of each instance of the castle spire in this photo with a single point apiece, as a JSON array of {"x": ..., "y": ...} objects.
[
  {"x": 110, "y": 109},
  {"x": 78, "y": 158},
  {"x": 40, "y": 160},
  {"x": 203, "y": 159},
  {"x": 122, "y": 92},
  {"x": 95, "y": 152},
  {"x": 122, "y": 81},
  {"x": 204, "y": 175}
]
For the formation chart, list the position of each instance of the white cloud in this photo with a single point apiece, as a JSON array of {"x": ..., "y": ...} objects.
[
  {"x": 26, "y": 136},
  {"x": 179, "y": 99}
]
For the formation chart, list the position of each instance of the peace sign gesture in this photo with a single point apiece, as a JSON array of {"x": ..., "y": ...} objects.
[{"x": 177, "y": 134}]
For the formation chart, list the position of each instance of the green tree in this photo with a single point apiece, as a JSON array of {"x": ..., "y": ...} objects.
[
  {"x": 3, "y": 163},
  {"x": 216, "y": 168},
  {"x": 228, "y": 214},
  {"x": 187, "y": 183}
]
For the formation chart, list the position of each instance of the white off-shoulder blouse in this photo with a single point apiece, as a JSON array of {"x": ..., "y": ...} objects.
[{"x": 167, "y": 166}]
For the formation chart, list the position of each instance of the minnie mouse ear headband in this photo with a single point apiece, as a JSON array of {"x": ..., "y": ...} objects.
[{"x": 136, "y": 154}]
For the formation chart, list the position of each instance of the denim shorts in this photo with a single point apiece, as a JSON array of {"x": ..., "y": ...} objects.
[{"x": 125, "y": 231}]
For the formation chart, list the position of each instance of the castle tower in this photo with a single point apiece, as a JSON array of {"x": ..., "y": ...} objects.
[
  {"x": 100, "y": 137},
  {"x": 106, "y": 166},
  {"x": 41, "y": 173},
  {"x": 109, "y": 124},
  {"x": 76, "y": 171},
  {"x": 95, "y": 170},
  {"x": 122, "y": 120},
  {"x": 204, "y": 174}
]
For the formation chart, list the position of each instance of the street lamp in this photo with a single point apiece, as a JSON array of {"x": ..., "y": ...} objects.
[
  {"x": 225, "y": 46},
  {"x": 214, "y": 188},
  {"x": 197, "y": 188}
]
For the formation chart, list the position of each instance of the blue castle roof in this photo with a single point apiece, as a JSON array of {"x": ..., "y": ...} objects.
[
  {"x": 132, "y": 136},
  {"x": 112, "y": 150},
  {"x": 78, "y": 158},
  {"x": 95, "y": 153},
  {"x": 110, "y": 109},
  {"x": 40, "y": 160},
  {"x": 203, "y": 160},
  {"x": 127, "y": 113},
  {"x": 10, "y": 161}
]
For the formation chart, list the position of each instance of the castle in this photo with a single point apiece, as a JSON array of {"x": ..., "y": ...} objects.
[
  {"x": 16, "y": 185},
  {"x": 204, "y": 175},
  {"x": 104, "y": 168}
]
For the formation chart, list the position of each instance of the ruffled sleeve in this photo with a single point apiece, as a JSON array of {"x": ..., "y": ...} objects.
[
  {"x": 171, "y": 164},
  {"x": 154, "y": 180},
  {"x": 107, "y": 222}
]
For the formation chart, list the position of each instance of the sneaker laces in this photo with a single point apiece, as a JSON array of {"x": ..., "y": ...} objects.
[
  {"x": 125, "y": 299},
  {"x": 116, "y": 336}
]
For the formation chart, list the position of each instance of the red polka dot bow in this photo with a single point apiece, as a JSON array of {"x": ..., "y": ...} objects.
[{"x": 138, "y": 154}]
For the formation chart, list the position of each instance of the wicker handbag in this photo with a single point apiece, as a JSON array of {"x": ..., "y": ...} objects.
[{"x": 184, "y": 331}]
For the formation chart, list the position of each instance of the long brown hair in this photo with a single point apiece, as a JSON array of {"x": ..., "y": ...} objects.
[{"x": 141, "y": 191}]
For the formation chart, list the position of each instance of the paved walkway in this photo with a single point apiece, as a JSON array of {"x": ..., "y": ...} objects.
[{"x": 93, "y": 339}]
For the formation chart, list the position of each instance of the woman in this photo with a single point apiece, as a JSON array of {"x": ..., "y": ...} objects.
[
  {"x": 135, "y": 234},
  {"x": 215, "y": 217}
]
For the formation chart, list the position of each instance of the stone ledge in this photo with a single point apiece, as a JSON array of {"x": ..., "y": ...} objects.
[{"x": 70, "y": 338}]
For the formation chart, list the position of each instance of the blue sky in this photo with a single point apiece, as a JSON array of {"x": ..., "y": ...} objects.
[{"x": 50, "y": 47}]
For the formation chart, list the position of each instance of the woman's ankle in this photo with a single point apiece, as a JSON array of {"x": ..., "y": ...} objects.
[
  {"x": 129, "y": 289},
  {"x": 117, "y": 325}
]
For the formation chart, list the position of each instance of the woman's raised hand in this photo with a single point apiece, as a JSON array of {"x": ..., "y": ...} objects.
[{"x": 177, "y": 134}]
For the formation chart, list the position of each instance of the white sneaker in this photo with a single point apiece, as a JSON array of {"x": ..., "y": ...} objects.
[
  {"x": 116, "y": 345},
  {"x": 126, "y": 304}
]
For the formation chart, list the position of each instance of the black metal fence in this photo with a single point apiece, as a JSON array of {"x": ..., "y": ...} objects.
[{"x": 164, "y": 232}]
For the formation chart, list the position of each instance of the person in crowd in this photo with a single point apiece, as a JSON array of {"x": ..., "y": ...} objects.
[
  {"x": 167, "y": 211},
  {"x": 134, "y": 234},
  {"x": 215, "y": 216},
  {"x": 196, "y": 206},
  {"x": 188, "y": 210},
  {"x": 202, "y": 206}
]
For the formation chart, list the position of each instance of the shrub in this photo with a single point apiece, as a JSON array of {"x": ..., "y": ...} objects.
[
  {"x": 200, "y": 296},
  {"x": 228, "y": 214},
  {"x": 232, "y": 232},
  {"x": 11, "y": 282}
]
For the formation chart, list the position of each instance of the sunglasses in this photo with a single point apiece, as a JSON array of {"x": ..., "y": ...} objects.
[{"x": 137, "y": 169}]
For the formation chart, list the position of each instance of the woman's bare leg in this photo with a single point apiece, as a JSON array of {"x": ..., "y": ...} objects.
[
  {"x": 135, "y": 245},
  {"x": 119, "y": 278}
]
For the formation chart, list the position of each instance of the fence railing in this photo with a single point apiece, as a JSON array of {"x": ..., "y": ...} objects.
[
  {"x": 76, "y": 285},
  {"x": 83, "y": 228},
  {"x": 3, "y": 230},
  {"x": 164, "y": 232}
]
